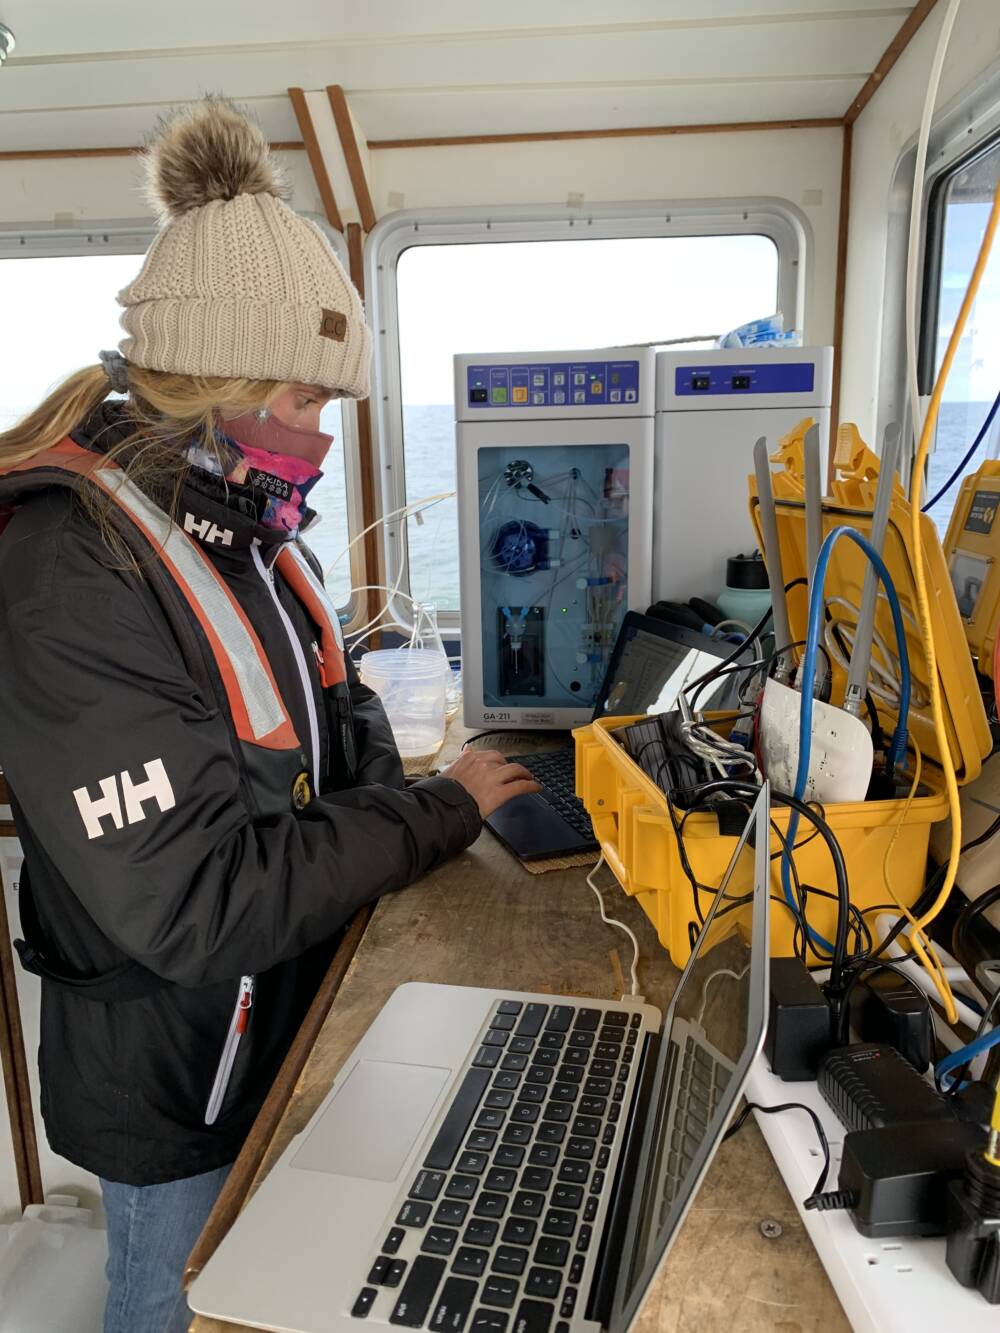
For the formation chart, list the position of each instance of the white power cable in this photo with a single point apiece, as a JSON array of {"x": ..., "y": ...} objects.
[
  {"x": 393, "y": 593},
  {"x": 916, "y": 211},
  {"x": 620, "y": 925}
]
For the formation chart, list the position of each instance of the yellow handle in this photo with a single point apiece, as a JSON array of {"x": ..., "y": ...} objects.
[{"x": 609, "y": 846}]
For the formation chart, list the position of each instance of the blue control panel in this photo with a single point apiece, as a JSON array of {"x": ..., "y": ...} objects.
[
  {"x": 567, "y": 384},
  {"x": 749, "y": 377}
]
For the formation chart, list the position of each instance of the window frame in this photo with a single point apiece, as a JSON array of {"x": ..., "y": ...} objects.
[
  {"x": 935, "y": 219},
  {"x": 134, "y": 236},
  {"x": 777, "y": 219},
  {"x": 965, "y": 126}
]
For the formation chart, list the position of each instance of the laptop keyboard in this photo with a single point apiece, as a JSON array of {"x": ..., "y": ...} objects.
[
  {"x": 702, "y": 1079},
  {"x": 499, "y": 1220},
  {"x": 555, "y": 772}
]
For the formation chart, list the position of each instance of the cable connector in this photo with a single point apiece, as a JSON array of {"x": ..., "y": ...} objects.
[{"x": 831, "y": 1200}]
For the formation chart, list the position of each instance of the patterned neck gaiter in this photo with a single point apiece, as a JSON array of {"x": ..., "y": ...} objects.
[
  {"x": 278, "y": 483},
  {"x": 283, "y": 481}
]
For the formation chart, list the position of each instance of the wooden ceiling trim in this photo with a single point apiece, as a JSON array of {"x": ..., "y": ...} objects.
[
  {"x": 53, "y": 154},
  {"x": 892, "y": 52},
  {"x": 636, "y": 132},
  {"x": 352, "y": 155},
  {"x": 315, "y": 154}
]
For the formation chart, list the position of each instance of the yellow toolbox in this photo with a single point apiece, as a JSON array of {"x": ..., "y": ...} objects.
[
  {"x": 631, "y": 817},
  {"x": 632, "y": 823}
]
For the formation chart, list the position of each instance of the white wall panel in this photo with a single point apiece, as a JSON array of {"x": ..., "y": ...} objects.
[
  {"x": 105, "y": 188},
  {"x": 434, "y": 114},
  {"x": 800, "y": 166}
]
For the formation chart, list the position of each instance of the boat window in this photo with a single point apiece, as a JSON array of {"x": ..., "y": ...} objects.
[
  {"x": 60, "y": 311},
  {"x": 959, "y": 205},
  {"x": 533, "y": 295}
]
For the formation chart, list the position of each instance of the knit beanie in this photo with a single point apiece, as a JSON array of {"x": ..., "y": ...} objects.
[{"x": 236, "y": 284}]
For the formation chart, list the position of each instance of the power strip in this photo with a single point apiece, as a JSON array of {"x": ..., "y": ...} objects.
[{"x": 892, "y": 1286}]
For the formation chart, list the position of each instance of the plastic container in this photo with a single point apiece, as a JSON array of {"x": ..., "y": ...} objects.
[
  {"x": 52, "y": 1270},
  {"x": 427, "y": 636},
  {"x": 632, "y": 823},
  {"x": 412, "y": 684},
  {"x": 747, "y": 594}
]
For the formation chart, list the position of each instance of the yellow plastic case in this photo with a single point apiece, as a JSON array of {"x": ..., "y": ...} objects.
[
  {"x": 630, "y": 814},
  {"x": 632, "y": 823},
  {"x": 850, "y": 501},
  {"x": 972, "y": 546}
]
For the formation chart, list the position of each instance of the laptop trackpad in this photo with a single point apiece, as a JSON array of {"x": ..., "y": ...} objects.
[{"x": 368, "y": 1129}]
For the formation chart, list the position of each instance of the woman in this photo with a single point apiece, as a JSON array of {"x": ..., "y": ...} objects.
[{"x": 205, "y": 792}]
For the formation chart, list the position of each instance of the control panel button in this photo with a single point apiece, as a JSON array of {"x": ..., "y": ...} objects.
[
  {"x": 579, "y": 377},
  {"x": 478, "y": 395},
  {"x": 538, "y": 379},
  {"x": 630, "y": 395},
  {"x": 538, "y": 398},
  {"x": 519, "y": 394},
  {"x": 615, "y": 395},
  {"x": 499, "y": 395},
  {"x": 558, "y": 396},
  {"x": 596, "y": 387},
  {"x": 579, "y": 395},
  {"x": 559, "y": 377}
]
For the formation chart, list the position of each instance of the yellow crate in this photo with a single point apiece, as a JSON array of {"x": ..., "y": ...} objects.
[{"x": 632, "y": 823}]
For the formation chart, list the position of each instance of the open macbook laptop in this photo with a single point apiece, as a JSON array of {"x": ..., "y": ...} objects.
[
  {"x": 491, "y": 1162},
  {"x": 652, "y": 662}
]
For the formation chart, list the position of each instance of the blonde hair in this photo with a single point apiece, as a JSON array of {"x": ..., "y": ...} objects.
[{"x": 167, "y": 412}]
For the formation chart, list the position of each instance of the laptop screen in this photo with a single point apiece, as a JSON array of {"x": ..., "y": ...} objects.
[
  {"x": 713, "y": 1031},
  {"x": 654, "y": 660}
]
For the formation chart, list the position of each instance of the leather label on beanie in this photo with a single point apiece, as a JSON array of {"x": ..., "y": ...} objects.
[{"x": 333, "y": 325}]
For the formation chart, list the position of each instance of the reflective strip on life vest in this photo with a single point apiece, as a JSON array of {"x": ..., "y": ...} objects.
[
  {"x": 258, "y": 711},
  {"x": 300, "y": 577}
]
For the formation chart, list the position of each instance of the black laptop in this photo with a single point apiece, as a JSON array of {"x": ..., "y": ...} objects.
[{"x": 652, "y": 662}]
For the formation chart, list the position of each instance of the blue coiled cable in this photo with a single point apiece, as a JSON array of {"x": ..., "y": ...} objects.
[{"x": 897, "y": 750}]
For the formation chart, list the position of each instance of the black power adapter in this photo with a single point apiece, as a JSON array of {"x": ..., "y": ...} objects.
[
  {"x": 974, "y": 1227},
  {"x": 798, "y": 1022},
  {"x": 888, "y": 1007},
  {"x": 895, "y": 1179},
  {"x": 872, "y": 1085}
]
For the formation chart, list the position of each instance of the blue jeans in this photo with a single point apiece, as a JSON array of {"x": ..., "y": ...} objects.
[{"x": 151, "y": 1231}]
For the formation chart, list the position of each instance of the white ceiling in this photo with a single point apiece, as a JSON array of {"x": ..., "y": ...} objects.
[{"x": 99, "y": 74}]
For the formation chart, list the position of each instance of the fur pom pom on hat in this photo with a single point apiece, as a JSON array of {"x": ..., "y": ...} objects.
[{"x": 236, "y": 284}]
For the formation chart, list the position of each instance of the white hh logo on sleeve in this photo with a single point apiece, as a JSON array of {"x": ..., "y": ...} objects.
[
  {"x": 122, "y": 800},
  {"x": 205, "y": 530}
]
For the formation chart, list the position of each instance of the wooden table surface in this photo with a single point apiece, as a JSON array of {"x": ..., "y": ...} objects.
[{"x": 482, "y": 920}]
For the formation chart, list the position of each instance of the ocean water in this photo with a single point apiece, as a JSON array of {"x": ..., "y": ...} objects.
[
  {"x": 958, "y": 425},
  {"x": 430, "y": 468}
]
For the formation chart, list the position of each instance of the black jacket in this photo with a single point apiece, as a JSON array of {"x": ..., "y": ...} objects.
[{"x": 200, "y": 894}]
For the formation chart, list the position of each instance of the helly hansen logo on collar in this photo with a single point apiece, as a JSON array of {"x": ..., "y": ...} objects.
[
  {"x": 205, "y": 530},
  {"x": 121, "y": 800}
]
